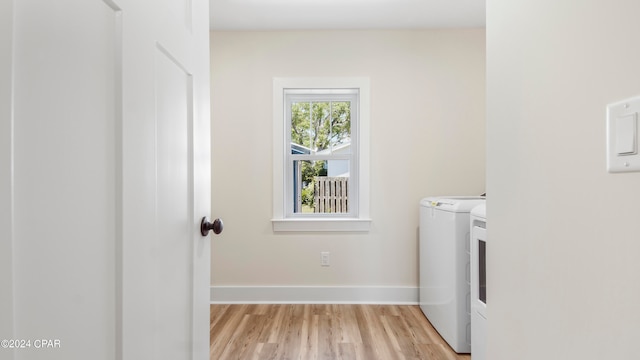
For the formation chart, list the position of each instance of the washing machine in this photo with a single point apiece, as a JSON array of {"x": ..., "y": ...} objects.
[
  {"x": 478, "y": 227},
  {"x": 444, "y": 240}
]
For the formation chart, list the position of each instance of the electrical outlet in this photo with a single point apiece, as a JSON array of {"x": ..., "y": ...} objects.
[{"x": 324, "y": 258}]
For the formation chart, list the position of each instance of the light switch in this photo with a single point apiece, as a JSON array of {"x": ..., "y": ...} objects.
[
  {"x": 622, "y": 136},
  {"x": 626, "y": 133}
]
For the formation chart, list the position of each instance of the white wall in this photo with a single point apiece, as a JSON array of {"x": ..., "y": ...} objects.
[
  {"x": 427, "y": 136},
  {"x": 564, "y": 235}
]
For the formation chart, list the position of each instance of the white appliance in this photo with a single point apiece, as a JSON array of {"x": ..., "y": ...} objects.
[
  {"x": 478, "y": 227},
  {"x": 444, "y": 267}
]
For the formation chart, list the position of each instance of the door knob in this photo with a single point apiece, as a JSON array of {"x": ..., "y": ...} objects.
[{"x": 216, "y": 226}]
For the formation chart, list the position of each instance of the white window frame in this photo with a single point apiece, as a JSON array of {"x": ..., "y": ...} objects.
[
  {"x": 292, "y": 96},
  {"x": 283, "y": 217}
]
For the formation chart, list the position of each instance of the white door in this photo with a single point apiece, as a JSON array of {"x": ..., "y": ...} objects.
[{"x": 104, "y": 175}]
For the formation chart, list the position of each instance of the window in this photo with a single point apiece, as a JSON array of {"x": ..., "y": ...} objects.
[
  {"x": 321, "y": 130},
  {"x": 322, "y": 152}
]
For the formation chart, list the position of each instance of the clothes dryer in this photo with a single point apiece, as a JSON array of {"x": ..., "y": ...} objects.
[{"x": 478, "y": 227}]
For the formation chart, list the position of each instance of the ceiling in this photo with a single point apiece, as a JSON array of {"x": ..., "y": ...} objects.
[{"x": 345, "y": 14}]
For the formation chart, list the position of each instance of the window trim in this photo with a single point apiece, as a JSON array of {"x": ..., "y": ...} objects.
[{"x": 360, "y": 220}]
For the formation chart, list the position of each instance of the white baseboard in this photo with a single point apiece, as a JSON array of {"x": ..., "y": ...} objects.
[{"x": 399, "y": 295}]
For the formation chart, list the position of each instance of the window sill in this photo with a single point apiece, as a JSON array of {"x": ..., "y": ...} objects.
[{"x": 321, "y": 225}]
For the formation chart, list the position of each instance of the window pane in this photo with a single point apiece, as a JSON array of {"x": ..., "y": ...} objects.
[
  {"x": 310, "y": 126},
  {"x": 320, "y": 126},
  {"x": 300, "y": 128},
  {"x": 321, "y": 186},
  {"x": 340, "y": 138}
]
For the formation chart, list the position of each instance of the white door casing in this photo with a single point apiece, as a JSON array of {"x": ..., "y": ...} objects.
[{"x": 105, "y": 168}]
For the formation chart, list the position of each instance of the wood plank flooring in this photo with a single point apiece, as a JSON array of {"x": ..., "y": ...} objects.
[{"x": 325, "y": 332}]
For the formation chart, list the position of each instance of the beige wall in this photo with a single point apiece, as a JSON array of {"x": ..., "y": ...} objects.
[
  {"x": 564, "y": 235},
  {"x": 427, "y": 138}
]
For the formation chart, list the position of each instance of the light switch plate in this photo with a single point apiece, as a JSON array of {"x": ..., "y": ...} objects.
[
  {"x": 626, "y": 134},
  {"x": 622, "y": 136}
]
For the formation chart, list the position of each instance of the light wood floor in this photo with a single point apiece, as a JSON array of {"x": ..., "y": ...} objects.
[{"x": 306, "y": 332}]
